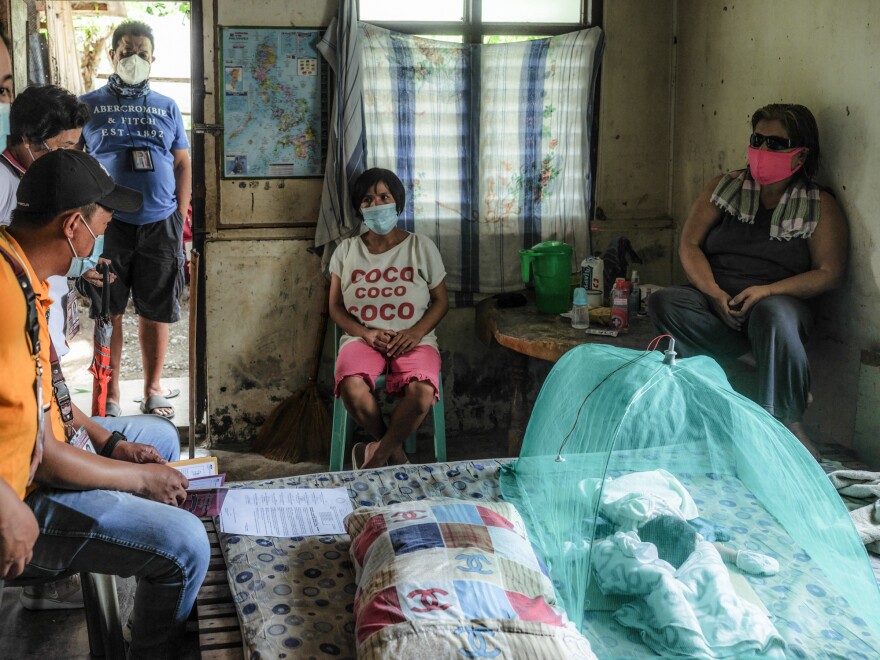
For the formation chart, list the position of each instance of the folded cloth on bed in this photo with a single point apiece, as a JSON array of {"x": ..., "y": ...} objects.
[
  {"x": 861, "y": 485},
  {"x": 867, "y": 522},
  {"x": 634, "y": 499},
  {"x": 693, "y": 612}
]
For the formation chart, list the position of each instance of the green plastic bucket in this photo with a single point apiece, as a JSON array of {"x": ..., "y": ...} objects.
[{"x": 550, "y": 263}]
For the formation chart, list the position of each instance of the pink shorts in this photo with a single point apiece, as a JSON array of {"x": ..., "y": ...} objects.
[{"x": 357, "y": 359}]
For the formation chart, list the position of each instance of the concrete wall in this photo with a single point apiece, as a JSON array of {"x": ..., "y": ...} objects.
[
  {"x": 679, "y": 81},
  {"x": 632, "y": 179},
  {"x": 733, "y": 57},
  {"x": 263, "y": 289}
]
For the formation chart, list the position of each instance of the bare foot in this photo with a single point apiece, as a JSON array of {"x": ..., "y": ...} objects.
[
  {"x": 800, "y": 432},
  {"x": 374, "y": 456},
  {"x": 377, "y": 455}
]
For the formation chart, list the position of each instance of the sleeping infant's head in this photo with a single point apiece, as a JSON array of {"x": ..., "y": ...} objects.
[{"x": 674, "y": 538}]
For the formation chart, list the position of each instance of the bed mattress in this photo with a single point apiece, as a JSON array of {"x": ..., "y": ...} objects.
[{"x": 294, "y": 596}]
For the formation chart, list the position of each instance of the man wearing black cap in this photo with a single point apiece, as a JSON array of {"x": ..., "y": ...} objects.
[
  {"x": 45, "y": 119},
  {"x": 83, "y": 515}
]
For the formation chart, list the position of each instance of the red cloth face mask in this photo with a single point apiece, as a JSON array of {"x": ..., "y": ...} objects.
[{"x": 772, "y": 166}]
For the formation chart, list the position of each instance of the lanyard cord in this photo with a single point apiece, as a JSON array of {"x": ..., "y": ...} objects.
[{"x": 143, "y": 100}]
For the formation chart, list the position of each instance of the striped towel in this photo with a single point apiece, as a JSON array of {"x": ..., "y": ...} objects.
[{"x": 796, "y": 215}]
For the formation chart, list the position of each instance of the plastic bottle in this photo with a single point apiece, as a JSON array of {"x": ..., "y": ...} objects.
[
  {"x": 620, "y": 305},
  {"x": 635, "y": 296},
  {"x": 580, "y": 310},
  {"x": 593, "y": 274},
  {"x": 586, "y": 279},
  {"x": 598, "y": 275}
]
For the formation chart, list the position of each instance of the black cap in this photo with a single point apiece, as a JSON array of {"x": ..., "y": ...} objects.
[{"x": 67, "y": 179}]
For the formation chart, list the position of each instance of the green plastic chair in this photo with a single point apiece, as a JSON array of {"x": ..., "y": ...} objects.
[{"x": 342, "y": 424}]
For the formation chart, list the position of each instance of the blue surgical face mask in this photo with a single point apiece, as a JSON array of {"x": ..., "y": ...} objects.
[
  {"x": 80, "y": 265},
  {"x": 380, "y": 219}
]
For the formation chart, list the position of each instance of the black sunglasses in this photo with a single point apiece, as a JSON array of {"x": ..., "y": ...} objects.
[{"x": 774, "y": 143}]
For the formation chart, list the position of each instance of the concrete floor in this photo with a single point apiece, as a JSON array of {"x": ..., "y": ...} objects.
[{"x": 23, "y": 634}]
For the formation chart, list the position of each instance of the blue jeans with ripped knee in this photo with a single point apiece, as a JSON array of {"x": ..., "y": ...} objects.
[{"x": 101, "y": 531}]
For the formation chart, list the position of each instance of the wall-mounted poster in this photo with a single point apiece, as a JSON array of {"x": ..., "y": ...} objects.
[{"x": 274, "y": 103}]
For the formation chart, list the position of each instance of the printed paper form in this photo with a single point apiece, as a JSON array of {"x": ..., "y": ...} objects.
[
  {"x": 194, "y": 468},
  {"x": 209, "y": 481},
  {"x": 285, "y": 511}
]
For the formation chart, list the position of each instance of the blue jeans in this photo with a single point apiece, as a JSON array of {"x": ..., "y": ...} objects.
[
  {"x": 101, "y": 531},
  {"x": 146, "y": 430}
]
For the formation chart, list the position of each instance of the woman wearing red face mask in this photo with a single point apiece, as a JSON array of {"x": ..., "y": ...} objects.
[{"x": 757, "y": 245}]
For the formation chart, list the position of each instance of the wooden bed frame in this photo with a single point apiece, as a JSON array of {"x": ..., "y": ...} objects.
[{"x": 219, "y": 630}]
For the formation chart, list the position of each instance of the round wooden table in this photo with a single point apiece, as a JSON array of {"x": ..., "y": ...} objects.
[{"x": 530, "y": 333}]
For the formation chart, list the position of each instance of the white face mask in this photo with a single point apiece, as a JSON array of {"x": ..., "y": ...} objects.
[{"x": 133, "y": 69}]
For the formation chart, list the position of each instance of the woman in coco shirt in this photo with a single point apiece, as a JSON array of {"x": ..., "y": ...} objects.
[{"x": 387, "y": 294}]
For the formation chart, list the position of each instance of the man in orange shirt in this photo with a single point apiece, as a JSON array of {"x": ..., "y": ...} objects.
[{"x": 88, "y": 513}]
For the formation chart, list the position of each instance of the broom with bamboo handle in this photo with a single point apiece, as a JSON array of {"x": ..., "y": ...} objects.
[{"x": 299, "y": 427}]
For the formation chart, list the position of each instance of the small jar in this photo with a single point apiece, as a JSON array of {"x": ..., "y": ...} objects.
[{"x": 580, "y": 310}]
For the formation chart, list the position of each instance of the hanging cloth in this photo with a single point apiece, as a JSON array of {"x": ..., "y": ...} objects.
[{"x": 796, "y": 215}]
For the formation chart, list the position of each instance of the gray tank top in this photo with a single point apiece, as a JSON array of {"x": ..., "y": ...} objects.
[{"x": 743, "y": 255}]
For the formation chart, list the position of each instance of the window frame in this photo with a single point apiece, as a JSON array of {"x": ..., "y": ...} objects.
[{"x": 473, "y": 29}]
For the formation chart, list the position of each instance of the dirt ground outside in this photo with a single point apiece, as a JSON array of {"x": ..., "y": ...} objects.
[{"x": 176, "y": 359}]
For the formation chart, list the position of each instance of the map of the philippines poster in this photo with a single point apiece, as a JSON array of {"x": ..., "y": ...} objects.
[{"x": 272, "y": 103}]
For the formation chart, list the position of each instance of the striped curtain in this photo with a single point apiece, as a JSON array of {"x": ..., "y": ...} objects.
[{"x": 492, "y": 143}]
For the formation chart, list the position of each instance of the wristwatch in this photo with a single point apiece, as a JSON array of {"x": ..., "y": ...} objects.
[{"x": 115, "y": 438}]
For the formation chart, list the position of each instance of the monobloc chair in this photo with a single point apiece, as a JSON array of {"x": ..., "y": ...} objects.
[{"x": 342, "y": 425}]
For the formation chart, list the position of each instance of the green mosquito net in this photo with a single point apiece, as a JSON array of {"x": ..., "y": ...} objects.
[{"x": 678, "y": 518}]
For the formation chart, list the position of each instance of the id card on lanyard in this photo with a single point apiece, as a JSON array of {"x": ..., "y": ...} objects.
[
  {"x": 82, "y": 440},
  {"x": 71, "y": 314}
]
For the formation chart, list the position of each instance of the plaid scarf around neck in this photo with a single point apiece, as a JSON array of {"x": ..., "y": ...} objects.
[
  {"x": 796, "y": 215},
  {"x": 126, "y": 91}
]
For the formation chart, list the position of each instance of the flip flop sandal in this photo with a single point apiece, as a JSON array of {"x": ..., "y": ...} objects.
[
  {"x": 112, "y": 409},
  {"x": 358, "y": 455},
  {"x": 169, "y": 394},
  {"x": 155, "y": 402}
]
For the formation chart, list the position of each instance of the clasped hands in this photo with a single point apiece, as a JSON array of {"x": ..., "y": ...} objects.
[
  {"x": 393, "y": 342},
  {"x": 734, "y": 310}
]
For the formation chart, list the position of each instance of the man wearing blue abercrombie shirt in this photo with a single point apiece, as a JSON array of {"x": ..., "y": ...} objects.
[{"x": 138, "y": 136}]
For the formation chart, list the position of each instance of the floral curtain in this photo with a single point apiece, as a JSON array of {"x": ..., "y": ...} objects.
[{"x": 492, "y": 143}]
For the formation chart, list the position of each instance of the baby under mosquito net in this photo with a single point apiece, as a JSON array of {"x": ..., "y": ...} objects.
[{"x": 678, "y": 518}]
